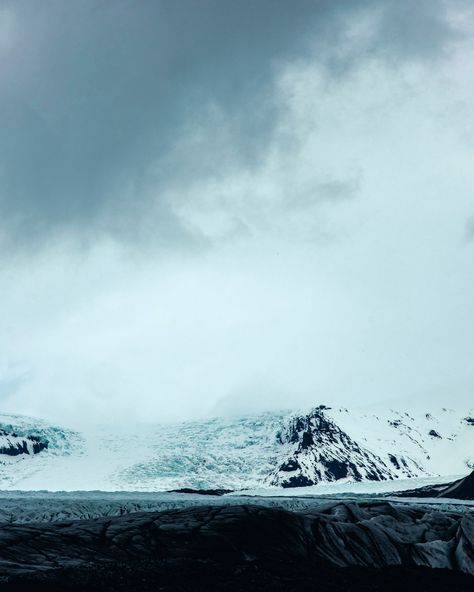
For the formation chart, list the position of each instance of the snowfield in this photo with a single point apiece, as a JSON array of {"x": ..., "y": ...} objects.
[{"x": 325, "y": 447}]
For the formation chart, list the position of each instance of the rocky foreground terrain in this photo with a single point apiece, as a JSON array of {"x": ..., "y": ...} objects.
[{"x": 373, "y": 545}]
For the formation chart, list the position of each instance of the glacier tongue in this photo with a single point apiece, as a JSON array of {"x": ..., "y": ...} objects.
[{"x": 267, "y": 450}]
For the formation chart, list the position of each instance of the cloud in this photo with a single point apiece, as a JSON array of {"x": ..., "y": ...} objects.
[
  {"x": 272, "y": 200},
  {"x": 98, "y": 101},
  {"x": 96, "y": 94}
]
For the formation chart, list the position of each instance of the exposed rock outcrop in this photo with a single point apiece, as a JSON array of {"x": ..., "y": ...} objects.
[
  {"x": 463, "y": 489},
  {"x": 319, "y": 450},
  {"x": 13, "y": 444}
]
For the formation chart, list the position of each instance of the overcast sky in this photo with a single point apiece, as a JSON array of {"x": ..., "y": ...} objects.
[{"x": 225, "y": 206}]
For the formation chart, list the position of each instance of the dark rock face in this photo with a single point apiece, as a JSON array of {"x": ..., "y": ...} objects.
[
  {"x": 421, "y": 492},
  {"x": 393, "y": 459},
  {"x": 463, "y": 489},
  {"x": 12, "y": 444},
  {"x": 289, "y": 466},
  {"x": 296, "y": 481},
  {"x": 243, "y": 547}
]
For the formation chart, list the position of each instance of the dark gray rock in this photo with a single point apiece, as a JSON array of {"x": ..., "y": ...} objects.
[
  {"x": 463, "y": 489},
  {"x": 189, "y": 490},
  {"x": 13, "y": 444}
]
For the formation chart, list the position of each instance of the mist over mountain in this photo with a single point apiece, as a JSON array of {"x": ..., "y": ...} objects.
[{"x": 232, "y": 207}]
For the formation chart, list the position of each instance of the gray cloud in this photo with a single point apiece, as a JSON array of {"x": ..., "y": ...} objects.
[
  {"x": 95, "y": 96},
  {"x": 412, "y": 31},
  {"x": 264, "y": 130}
]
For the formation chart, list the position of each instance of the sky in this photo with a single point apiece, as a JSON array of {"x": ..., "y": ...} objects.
[{"x": 220, "y": 207}]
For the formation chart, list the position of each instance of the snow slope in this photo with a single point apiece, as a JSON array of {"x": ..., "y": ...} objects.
[{"x": 255, "y": 452}]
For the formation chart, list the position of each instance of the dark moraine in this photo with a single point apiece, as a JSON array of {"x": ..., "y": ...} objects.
[
  {"x": 189, "y": 490},
  {"x": 337, "y": 546},
  {"x": 463, "y": 489}
]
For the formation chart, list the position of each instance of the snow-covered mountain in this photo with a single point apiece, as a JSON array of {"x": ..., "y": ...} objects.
[
  {"x": 281, "y": 449},
  {"x": 332, "y": 444}
]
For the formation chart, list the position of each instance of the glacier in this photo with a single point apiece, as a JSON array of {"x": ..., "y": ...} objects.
[{"x": 272, "y": 450}]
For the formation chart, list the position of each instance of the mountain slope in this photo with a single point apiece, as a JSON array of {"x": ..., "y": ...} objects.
[{"x": 331, "y": 444}]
